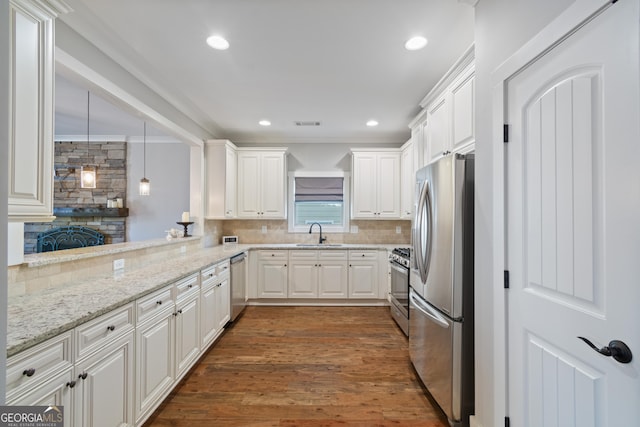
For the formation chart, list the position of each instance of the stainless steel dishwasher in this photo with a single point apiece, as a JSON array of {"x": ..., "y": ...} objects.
[{"x": 238, "y": 285}]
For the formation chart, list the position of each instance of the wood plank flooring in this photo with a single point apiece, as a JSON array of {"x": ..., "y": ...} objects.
[{"x": 303, "y": 366}]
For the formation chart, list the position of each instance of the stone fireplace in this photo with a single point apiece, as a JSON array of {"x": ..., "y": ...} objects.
[{"x": 87, "y": 207}]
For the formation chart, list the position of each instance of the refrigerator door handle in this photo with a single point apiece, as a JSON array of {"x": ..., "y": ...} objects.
[
  {"x": 428, "y": 311},
  {"x": 428, "y": 203},
  {"x": 421, "y": 260}
]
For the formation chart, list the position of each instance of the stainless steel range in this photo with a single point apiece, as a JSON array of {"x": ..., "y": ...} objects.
[{"x": 399, "y": 296}]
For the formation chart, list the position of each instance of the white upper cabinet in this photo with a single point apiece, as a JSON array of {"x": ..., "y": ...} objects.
[
  {"x": 447, "y": 123},
  {"x": 31, "y": 65},
  {"x": 376, "y": 184},
  {"x": 438, "y": 121},
  {"x": 463, "y": 110},
  {"x": 262, "y": 179},
  {"x": 221, "y": 178},
  {"x": 407, "y": 180}
]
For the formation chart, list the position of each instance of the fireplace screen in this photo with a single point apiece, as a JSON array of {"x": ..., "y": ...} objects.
[{"x": 68, "y": 237}]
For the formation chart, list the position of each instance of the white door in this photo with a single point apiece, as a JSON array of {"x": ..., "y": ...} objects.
[{"x": 573, "y": 246}]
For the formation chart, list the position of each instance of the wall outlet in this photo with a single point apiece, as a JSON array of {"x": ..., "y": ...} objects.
[
  {"x": 398, "y": 230},
  {"x": 118, "y": 264},
  {"x": 354, "y": 229},
  {"x": 264, "y": 229}
]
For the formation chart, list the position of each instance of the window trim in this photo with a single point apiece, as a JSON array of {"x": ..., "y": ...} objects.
[{"x": 344, "y": 228}]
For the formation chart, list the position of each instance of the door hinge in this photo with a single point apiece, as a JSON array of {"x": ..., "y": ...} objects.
[
  {"x": 507, "y": 423},
  {"x": 506, "y": 279},
  {"x": 505, "y": 133}
]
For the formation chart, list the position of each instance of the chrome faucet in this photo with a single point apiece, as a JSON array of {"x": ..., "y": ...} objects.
[{"x": 322, "y": 239}]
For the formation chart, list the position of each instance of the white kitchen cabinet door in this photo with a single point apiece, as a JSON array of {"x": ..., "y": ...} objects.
[
  {"x": 273, "y": 180},
  {"x": 364, "y": 195},
  {"x": 221, "y": 179},
  {"x": 388, "y": 186},
  {"x": 223, "y": 303},
  {"x": 155, "y": 345},
  {"x": 187, "y": 329},
  {"x": 249, "y": 185},
  {"x": 333, "y": 279},
  {"x": 208, "y": 322},
  {"x": 303, "y": 274},
  {"x": 407, "y": 181},
  {"x": 376, "y": 184},
  {"x": 363, "y": 274},
  {"x": 104, "y": 391},
  {"x": 272, "y": 274},
  {"x": 463, "y": 111},
  {"x": 437, "y": 131},
  {"x": 31, "y": 65},
  {"x": 57, "y": 391},
  {"x": 261, "y": 184}
]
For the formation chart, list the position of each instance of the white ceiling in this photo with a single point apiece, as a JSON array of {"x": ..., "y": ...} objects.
[{"x": 339, "y": 62}]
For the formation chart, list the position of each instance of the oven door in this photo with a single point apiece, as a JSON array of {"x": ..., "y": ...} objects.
[{"x": 400, "y": 288}]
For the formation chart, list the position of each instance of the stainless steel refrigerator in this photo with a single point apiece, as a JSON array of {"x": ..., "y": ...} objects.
[{"x": 441, "y": 279}]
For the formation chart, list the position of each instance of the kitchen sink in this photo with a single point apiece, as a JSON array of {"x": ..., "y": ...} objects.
[{"x": 318, "y": 245}]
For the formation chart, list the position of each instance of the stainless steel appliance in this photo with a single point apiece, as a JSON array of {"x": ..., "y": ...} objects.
[
  {"x": 441, "y": 295},
  {"x": 238, "y": 285},
  {"x": 399, "y": 295}
]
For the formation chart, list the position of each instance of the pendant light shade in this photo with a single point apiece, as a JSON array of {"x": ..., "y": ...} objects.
[
  {"x": 88, "y": 172},
  {"x": 145, "y": 186}
]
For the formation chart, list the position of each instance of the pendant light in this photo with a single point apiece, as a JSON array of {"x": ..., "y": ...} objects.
[
  {"x": 145, "y": 186},
  {"x": 88, "y": 172}
]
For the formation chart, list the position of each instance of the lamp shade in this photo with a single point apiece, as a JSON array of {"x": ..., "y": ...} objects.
[
  {"x": 145, "y": 187},
  {"x": 88, "y": 176}
]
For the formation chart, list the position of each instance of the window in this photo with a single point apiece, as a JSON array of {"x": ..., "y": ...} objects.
[{"x": 318, "y": 197}]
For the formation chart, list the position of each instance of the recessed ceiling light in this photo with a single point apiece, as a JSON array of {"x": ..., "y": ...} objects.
[
  {"x": 264, "y": 123},
  {"x": 372, "y": 123},
  {"x": 218, "y": 42},
  {"x": 415, "y": 43}
]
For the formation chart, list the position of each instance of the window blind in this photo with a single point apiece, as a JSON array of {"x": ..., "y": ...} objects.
[{"x": 325, "y": 189}]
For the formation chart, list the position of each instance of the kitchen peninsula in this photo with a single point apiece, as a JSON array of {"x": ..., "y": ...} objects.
[{"x": 141, "y": 328}]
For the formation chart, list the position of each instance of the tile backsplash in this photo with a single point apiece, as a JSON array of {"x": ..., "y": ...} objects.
[{"x": 250, "y": 231}]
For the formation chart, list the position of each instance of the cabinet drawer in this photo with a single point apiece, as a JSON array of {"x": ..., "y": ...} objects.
[
  {"x": 208, "y": 274},
  {"x": 363, "y": 255},
  {"x": 303, "y": 254},
  {"x": 187, "y": 286},
  {"x": 98, "y": 332},
  {"x": 273, "y": 255},
  {"x": 155, "y": 303},
  {"x": 223, "y": 268},
  {"x": 35, "y": 365},
  {"x": 332, "y": 255}
]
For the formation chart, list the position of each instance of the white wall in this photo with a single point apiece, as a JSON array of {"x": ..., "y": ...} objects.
[
  {"x": 168, "y": 171},
  {"x": 4, "y": 186},
  {"x": 501, "y": 28}
]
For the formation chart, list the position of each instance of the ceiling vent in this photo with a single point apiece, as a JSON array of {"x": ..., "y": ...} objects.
[{"x": 307, "y": 123}]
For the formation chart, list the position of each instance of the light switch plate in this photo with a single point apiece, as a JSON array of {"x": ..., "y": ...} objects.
[
  {"x": 264, "y": 229},
  {"x": 398, "y": 229},
  {"x": 354, "y": 229},
  {"x": 118, "y": 264}
]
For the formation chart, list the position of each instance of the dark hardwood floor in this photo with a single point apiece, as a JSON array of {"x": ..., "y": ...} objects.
[{"x": 303, "y": 366}]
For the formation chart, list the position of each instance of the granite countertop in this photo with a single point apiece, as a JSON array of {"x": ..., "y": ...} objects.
[{"x": 33, "y": 319}]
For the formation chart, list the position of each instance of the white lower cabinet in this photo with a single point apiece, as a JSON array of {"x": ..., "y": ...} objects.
[
  {"x": 318, "y": 274},
  {"x": 215, "y": 302},
  {"x": 55, "y": 391},
  {"x": 104, "y": 385},
  {"x": 154, "y": 361},
  {"x": 272, "y": 274},
  {"x": 363, "y": 274},
  {"x": 167, "y": 341}
]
